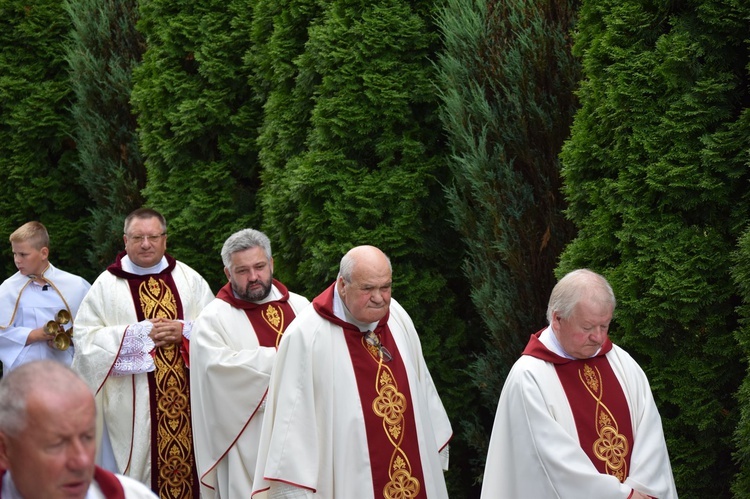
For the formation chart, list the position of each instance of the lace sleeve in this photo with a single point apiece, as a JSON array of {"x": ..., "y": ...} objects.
[
  {"x": 281, "y": 490},
  {"x": 135, "y": 354}
]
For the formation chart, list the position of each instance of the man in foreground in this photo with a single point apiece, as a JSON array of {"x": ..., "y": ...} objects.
[
  {"x": 576, "y": 417},
  {"x": 352, "y": 410},
  {"x": 32, "y": 297},
  {"x": 48, "y": 439},
  {"x": 132, "y": 342},
  {"x": 231, "y": 355}
]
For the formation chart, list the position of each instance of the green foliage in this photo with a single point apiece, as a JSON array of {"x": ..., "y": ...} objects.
[
  {"x": 102, "y": 52},
  {"x": 507, "y": 78},
  {"x": 37, "y": 177},
  {"x": 655, "y": 174},
  {"x": 741, "y": 277},
  {"x": 197, "y": 123}
]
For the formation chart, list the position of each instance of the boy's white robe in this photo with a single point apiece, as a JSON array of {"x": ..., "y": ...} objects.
[
  {"x": 25, "y": 306},
  {"x": 229, "y": 382}
]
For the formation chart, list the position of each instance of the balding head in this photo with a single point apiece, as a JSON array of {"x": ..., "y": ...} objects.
[{"x": 364, "y": 283}]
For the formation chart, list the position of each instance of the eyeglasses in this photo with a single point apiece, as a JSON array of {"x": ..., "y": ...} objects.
[
  {"x": 152, "y": 239},
  {"x": 373, "y": 340}
]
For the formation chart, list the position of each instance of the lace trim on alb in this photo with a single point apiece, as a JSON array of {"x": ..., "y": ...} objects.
[{"x": 135, "y": 357}]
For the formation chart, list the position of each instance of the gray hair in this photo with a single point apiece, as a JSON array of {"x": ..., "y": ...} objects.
[
  {"x": 346, "y": 267},
  {"x": 243, "y": 240},
  {"x": 575, "y": 287},
  {"x": 17, "y": 385}
]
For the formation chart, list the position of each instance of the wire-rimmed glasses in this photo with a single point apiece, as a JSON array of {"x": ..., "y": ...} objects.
[
  {"x": 372, "y": 339},
  {"x": 150, "y": 239}
]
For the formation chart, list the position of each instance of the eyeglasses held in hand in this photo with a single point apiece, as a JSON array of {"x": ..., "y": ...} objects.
[{"x": 372, "y": 339}]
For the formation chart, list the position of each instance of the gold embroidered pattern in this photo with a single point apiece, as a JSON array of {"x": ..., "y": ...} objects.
[
  {"x": 390, "y": 405},
  {"x": 174, "y": 440},
  {"x": 611, "y": 447},
  {"x": 157, "y": 300},
  {"x": 274, "y": 317}
]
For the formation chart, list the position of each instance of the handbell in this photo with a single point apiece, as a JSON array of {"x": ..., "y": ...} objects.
[
  {"x": 52, "y": 328},
  {"x": 63, "y": 317},
  {"x": 62, "y": 341}
]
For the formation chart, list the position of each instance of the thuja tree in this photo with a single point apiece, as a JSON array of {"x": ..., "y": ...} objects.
[
  {"x": 103, "y": 49},
  {"x": 197, "y": 124},
  {"x": 507, "y": 79},
  {"x": 37, "y": 178},
  {"x": 371, "y": 173},
  {"x": 656, "y": 179},
  {"x": 279, "y": 35}
]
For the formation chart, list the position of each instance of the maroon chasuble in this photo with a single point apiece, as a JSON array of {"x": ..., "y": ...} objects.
[
  {"x": 173, "y": 473},
  {"x": 269, "y": 319},
  {"x": 107, "y": 481},
  {"x": 386, "y": 405},
  {"x": 599, "y": 406}
]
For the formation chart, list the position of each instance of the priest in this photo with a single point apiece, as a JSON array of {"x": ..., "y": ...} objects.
[
  {"x": 576, "y": 417},
  {"x": 352, "y": 410},
  {"x": 232, "y": 352},
  {"x": 132, "y": 343}
]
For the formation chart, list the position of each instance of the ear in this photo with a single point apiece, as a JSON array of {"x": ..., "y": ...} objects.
[
  {"x": 340, "y": 287},
  {"x": 271, "y": 266},
  {"x": 226, "y": 273},
  {"x": 45, "y": 252},
  {"x": 4, "y": 457}
]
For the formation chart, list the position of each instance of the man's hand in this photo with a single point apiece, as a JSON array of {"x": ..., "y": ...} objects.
[{"x": 166, "y": 332}]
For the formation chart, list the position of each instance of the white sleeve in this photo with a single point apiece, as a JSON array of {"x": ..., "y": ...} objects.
[{"x": 281, "y": 490}]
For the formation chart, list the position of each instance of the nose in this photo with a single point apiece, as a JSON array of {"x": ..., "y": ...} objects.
[
  {"x": 599, "y": 334},
  {"x": 376, "y": 295},
  {"x": 79, "y": 455}
]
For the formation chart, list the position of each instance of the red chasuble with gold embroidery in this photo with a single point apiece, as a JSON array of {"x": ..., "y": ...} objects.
[
  {"x": 386, "y": 403},
  {"x": 600, "y": 410},
  {"x": 269, "y": 319},
  {"x": 173, "y": 473}
]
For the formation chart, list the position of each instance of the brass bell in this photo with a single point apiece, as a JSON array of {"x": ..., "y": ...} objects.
[
  {"x": 62, "y": 339},
  {"x": 52, "y": 328},
  {"x": 63, "y": 317}
]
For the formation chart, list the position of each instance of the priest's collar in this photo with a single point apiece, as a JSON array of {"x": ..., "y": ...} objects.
[
  {"x": 132, "y": 268},
  {"x": 342, "y": 312}
]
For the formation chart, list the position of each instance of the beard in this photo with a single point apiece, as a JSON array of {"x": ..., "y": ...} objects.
[{"x": 249, "y": 294}]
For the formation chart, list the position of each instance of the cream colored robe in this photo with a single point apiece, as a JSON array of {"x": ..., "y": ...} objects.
[
  {"x": 534, "y": 449},
  {"x": 229, "y": 381},
  {"x": 313, "y": 433},
  {"x": 123, "y": 401}
]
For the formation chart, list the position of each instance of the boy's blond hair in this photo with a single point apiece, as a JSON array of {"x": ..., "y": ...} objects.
[{"x": 33, "y": 232}]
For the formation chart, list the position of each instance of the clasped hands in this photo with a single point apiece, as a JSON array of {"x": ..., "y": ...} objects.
[{"x": 165, "y": 331}]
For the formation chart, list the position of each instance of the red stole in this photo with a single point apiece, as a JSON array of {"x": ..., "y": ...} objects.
[
  {"x": 269, "y": 319},
  {"x": 173, "y": 473},
  {"x": 599, "y": 406},
  {"x": 383, "y": 387},
  {"x": 107, "y": 481}
]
